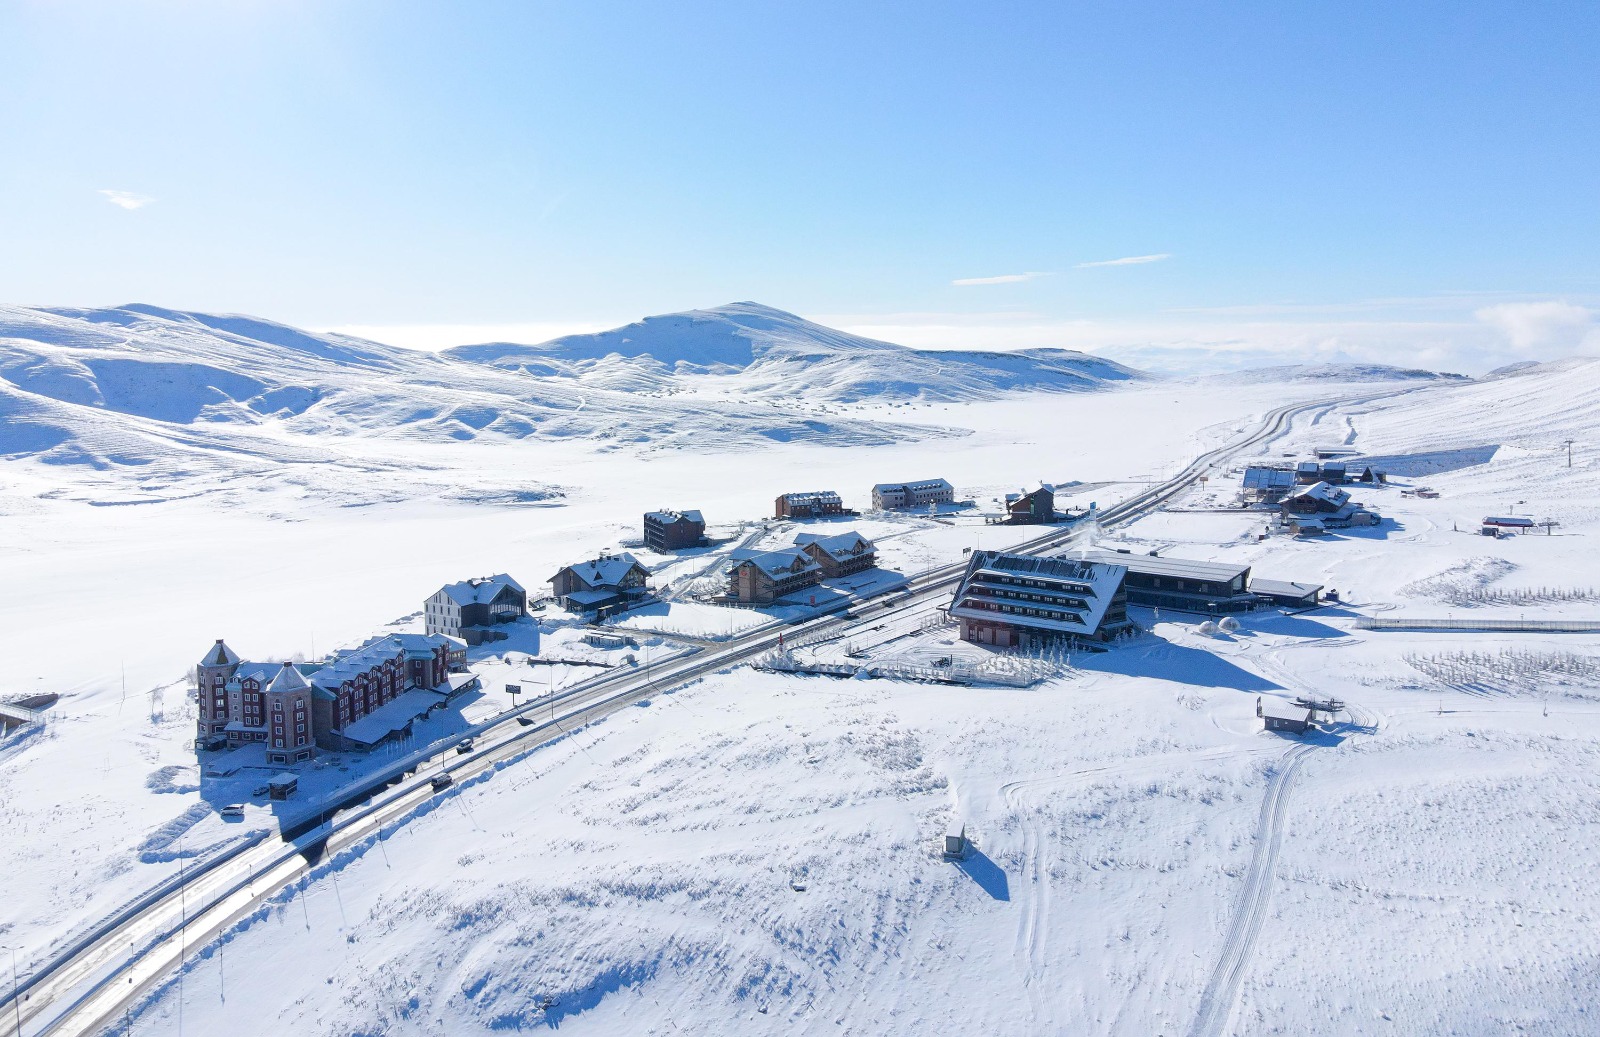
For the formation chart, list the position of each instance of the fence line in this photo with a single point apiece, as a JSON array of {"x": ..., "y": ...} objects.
[{"x": 1547, "y": 626}]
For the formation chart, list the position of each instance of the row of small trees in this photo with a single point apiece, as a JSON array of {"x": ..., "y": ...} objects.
[
  {"x": 1510, "y": 669},
  {"x": 1469, "y": 596}
]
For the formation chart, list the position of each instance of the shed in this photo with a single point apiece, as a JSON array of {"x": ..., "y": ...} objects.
[
  {"x": 1509, "y": 523},
  {"x": 282, "y": 786},
  {"x": 956, "y": 844},
  {"x": 1280, "y": 716},
  {"x": 1287, "y": 592}
]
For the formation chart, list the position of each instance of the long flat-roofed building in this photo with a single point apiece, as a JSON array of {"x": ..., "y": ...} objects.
[
  {"x": 1181, "y": 584},
  {"x": 889, "y": 496},
  {"x": 1022, "y": 601}
]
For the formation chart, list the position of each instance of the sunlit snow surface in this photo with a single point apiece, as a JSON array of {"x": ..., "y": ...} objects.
[{"x": 1433, "y": 874}]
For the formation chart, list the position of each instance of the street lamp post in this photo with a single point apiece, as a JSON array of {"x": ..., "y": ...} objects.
[{"x": 16, "y": 1003}]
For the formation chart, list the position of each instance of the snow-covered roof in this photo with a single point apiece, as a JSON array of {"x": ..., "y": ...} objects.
[
  {"x": 784, "y": 562},
  {"x": 917, "y": 484},
  {"x": 1325, "y": 492},
  {"x": 607, "y": 570},
  {"x": 1041, "y": 488},
  {"x": 261, "y": 672},
  {"x": 288, "y": 679},
  {"x": 1284, "y": 588},
  {"x": 481, "y": 591},
  {"x": 392, "y": 716},
  {"x": 838, "y": 546},
  {"x": 1260, "y": 478},
  {"x": 1492, "y": 520},
  {"x": 352, "y": 663},
  {"x": 668, "y": 517},
  {"x": 812, "y": 497},
  {"x": 219, "y": 654},
  {"x": 1179, "y": 568}
]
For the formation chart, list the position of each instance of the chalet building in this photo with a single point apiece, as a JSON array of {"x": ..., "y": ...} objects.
[
  {"x": 809, "y": 504},
  {"x": 840, "y": 554},
  {"x": 351, "y": 701},
  {"x": 895, "y": 496},
  {"x": 602, "y": 585},
  {"x": 761, "y": 579},
  {"x": 1022, "y": 601},
  {"x": 1031, "y": 507},
  {"x": 470, "y": 609},
  {"x": 673, "y": 530},
  {"x": 1307, "y": 472},
  {"x": 1328, "y": 506},
  {"x": 1267, "y": 485}
]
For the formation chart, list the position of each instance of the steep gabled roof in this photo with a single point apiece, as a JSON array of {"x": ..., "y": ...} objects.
[
  {"x": 784, "y": 562},
  {"x": 481, "y": 591},
  {"x": 607, "y": 570},
  {"x": 838, "y": 546}
]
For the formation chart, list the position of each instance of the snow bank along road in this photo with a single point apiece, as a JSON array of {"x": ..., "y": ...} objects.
[{"x": 90, "y": 983}]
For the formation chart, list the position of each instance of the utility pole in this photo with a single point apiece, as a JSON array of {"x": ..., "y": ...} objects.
[{"x": 1568, "y": 444}]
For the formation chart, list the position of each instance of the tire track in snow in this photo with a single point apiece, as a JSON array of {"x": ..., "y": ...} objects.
[{"x": 1222, "y": 989}]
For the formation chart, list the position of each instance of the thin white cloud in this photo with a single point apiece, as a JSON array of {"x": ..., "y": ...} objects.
[
  {"x": 126, "y": 199},
  {"x": 964, "y": 282},
  {"x": 1128, "y": 260},
  {"x": 1549, "y": 326}
]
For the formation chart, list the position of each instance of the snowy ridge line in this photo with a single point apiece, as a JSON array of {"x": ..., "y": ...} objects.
[
  {"x": 916, "y": 590},
  {"x": 1222, "y": 990}
]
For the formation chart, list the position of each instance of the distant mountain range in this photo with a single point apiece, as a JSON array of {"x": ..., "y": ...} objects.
[
  {"x": 167, "y": 398},
  {"x": 756, "y": 351}
]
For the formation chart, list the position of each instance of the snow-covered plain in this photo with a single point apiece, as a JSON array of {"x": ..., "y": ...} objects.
[{"x": 756, "y": 853}]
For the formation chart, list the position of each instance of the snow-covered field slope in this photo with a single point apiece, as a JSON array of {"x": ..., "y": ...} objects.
[
  {"x": 1149, "y": 861},
  {"x": 165, "y": 403},
  {"x": 751, "y": 351}
]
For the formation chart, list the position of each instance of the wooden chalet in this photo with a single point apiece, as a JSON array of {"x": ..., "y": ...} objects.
[
  {"x": 766, "y": 576},
  {"x": 602, "y": 585},
  {"x": 1031, "y": 507},
  {"x": 839, "y": 554}
]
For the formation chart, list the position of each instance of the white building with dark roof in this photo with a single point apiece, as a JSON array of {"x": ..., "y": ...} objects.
[
  {"x": 470, "y": 609},
  {"x": 920, "y": 494},
  {"x": 1022, "y": 601}
]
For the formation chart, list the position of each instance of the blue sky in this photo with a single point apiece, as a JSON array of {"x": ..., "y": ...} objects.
[{"x": 1417, "y": 179}]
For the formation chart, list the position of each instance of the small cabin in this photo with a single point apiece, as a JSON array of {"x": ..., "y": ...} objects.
[
  {"x": 1279, "y": 716},
  {"x": 282, "y": 786}
]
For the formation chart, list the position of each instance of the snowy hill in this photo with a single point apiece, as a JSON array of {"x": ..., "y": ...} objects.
[
  {"x": 168, "y": 396},
  {"x": 1341, "y": 373},
  {"x": 757, "y": 351}
]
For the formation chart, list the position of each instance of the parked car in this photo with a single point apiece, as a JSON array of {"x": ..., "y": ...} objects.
[
  {"x": 233, "y": 811},
  {"x": 464, "y": 746},
  {"x": 442, "y": 781},
  {"x": 260, "y": 790}
]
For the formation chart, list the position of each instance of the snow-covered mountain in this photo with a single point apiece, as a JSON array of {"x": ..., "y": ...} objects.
[
  {"x": 170, "y": 395},
  {"x": 755, "y": 351}
]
